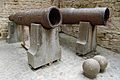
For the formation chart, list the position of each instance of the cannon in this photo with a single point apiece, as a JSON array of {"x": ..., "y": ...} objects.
[
  {"x": 48, "y": 17},
  {"x": 44, "y": 40},
  {"x": 87, "y": 18},
  {"x": 96, "y": 16}
]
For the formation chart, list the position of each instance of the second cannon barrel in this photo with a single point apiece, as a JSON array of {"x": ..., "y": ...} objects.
[{"x": 96, "y": 16}]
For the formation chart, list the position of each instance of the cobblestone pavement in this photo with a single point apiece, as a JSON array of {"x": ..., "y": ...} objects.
[{"x": 14, "y": 66}]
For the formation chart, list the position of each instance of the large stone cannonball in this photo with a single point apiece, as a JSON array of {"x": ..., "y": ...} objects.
[
  {"x": 102, "y": 61},
  {"x": 91, "y": 68}
]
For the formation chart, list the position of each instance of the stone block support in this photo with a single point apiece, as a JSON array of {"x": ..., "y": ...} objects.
[
  {"x": 86, "y": 41},
  {"x": 14, "y": 33},
  {"x": 44, "y": 46}
]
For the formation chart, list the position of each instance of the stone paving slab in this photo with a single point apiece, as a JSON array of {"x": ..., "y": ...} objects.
[{"x": 14, "y": 66}]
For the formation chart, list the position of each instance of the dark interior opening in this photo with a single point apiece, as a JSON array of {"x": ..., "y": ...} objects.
[
  {"x": 54, "y": 16},
  {"x": 106, "y": 16}
]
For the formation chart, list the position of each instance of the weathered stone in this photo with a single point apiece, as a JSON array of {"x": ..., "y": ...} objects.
[
  {"x": 91, "y": 68},
  {"x": 55, "y": 2},
  {"x": 109, "y": 36},
  {"x": 14, "y": 34},
  {"x": 72, "y": 30},
  {"x": 87, "y": 38},
  {"x": 102, "y": 61},
  {"x": 109, "y": 1},
  {"x": 4, "y": 34},
  {"x": 44, "y": 46},
  {"x": 118, "y": 0}
]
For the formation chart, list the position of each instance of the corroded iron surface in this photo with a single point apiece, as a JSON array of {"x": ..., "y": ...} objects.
[
  {"x": 48, "y": 17},
  {"x": 96, "y": 16}
]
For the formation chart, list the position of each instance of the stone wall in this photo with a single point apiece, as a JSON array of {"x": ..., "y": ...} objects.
[
  {"x": 8, "y": 7},
  {"x": 109, "y": 36}
]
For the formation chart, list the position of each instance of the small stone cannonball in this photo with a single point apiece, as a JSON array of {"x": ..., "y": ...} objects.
[
  {"x": 102, "y": 61},
  {"x": 91, "y": 68}
]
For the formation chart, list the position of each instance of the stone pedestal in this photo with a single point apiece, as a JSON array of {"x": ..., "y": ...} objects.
[
  {"x": 87, "y": 38},
  {"x": 44, "y": 46},
  {"x": 14, "y": 33}
]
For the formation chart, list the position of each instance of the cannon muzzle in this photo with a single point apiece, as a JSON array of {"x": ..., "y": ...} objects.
[
  {"x": 48, "y": 17},
  {"x": 96, "y": 16}
]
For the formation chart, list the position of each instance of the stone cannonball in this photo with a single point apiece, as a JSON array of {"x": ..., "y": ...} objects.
[
  {"x": 91, "y": 68},
  {"x": 102, "y": 61}
]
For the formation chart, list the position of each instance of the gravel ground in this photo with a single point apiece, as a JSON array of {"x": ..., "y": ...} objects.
[{"x": 14, "y": 66}]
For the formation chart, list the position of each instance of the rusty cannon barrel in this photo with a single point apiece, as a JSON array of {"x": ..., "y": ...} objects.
[
  {"x": 48, "y": 17},
  {"x": 96, "y": 16}
]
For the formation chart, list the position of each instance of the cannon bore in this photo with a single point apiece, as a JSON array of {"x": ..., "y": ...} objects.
[
  {"x": 96, "y": 16},
  {"x": 48, "y": 17}
]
